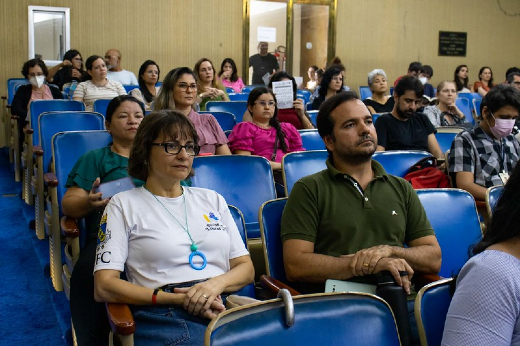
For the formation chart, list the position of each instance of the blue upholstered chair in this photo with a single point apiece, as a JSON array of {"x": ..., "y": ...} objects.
[
  {"x": 311, "y": 140},
  {"x": 100, "y": 106},
  {"x": 8, "y": 123},
  {"x": 492, "y": 195},
  {"x": 129, "y": 88},
  {"x": 476, "y": 106},
  {"x": 431, "y": 307},
  {"x": 445, "y": 136},
  {"x": 230, "y": 90},
  {"x": 398, "y": 162},
  {"x": 464, "y": 105},
  {"x": 245, "y": 182},
  {"x": 238, "y": 96},
  {"x": 453, "y": 216},
  {"x": 300, "y": 164},
  {"x": 237, "y": 108},
  {"x": 304, "y": 94},
  {"x": 316, "y": 319},
  {"x": 226, "y": 120},
  {"x": 314, "y": 116},
  {"x": 364, "y": 92},
  {"x": 248, "y": 88},
  {"x": 375, "y": 116}
]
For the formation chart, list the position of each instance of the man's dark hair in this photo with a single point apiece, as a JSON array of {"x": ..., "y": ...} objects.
[
  {"x": 409, "y": 83},
  {"x": 501, "y": 96},
  {"x": 415, "y": 66},
  {"x": 511, "y": 77},
  {"x": 324, "y": 120},
  {"x": 427, "y": 69},
  {"x": 511, "y": 70}
]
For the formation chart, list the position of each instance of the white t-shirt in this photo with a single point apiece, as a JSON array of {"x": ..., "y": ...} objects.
[
  {"x": 124, "y": 77},
  {"x": 90, "y": 92},
  {"x": 139, "y": 236}
]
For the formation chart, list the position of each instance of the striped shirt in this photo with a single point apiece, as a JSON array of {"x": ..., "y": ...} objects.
[{"x": 89, "y": 92}]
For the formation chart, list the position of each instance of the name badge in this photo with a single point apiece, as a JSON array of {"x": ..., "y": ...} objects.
[{"x": 504, "y": 177}]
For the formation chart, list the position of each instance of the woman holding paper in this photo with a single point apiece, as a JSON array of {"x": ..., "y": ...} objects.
[
  {"x": 290, "y": 109},
  {"x": 264, "y": 135}
]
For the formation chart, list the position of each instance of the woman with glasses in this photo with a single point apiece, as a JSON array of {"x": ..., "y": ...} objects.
[
  {"x": 178, "y": 246},
  {"x": 179, "y": 92},
  {"x": 71, "y": 69},
  {"x": 264, "y": 135},
  {"x": 209, "y": 86},
  {"x": 331, "y": 84},
  {"x": 148, "y": 77}
]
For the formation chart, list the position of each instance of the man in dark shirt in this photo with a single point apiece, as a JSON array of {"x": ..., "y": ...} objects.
[
  {"x": 263, "y": 63},
  {"x": 404, "y": 128}
]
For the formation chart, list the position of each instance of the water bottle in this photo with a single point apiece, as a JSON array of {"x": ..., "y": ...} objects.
[
  {"x": 72, "y": 87},
  {"x": 388, "y": 289}
]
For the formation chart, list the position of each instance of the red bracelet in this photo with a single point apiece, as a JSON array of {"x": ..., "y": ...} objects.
[{"x": 154, "y": 296}]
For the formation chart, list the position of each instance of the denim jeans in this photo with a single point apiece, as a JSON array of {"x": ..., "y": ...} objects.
[{"x": 413, "y": 322}]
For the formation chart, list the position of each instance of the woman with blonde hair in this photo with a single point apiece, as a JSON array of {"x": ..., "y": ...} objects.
[{"x": 209, "y": 86}]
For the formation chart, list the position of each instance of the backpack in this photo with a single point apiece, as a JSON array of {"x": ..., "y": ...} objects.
[{"x": 426, "y": 174}]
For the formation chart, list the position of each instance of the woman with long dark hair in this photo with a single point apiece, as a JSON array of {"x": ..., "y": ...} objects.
[
  {"x": 229, "y": 77},
  {"x": 69, "y": 70},
  {"x": 462, "y": 80},
  {"x": 264, "y": 135},
  {"x": 485, "y": 309},
  {"x": 149, "y": 74},
  {"x": 331, "y": 84},
  {"x": 485, "y": 83}
]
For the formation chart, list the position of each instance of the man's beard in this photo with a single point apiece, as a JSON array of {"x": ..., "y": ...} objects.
[{"x": 358, "y": 157}]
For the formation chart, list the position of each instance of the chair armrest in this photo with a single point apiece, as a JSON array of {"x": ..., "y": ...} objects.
[
  {"x": 37, "y": 150},
  {"x": 421, "y": 280},
  {"x": 120, "y": 318},
  {"x": 69, "y": 227},
  {"x": 273, "y": 286},
  {"x": 50, "y": 179},
  {"x": 4, "y": 97},
  {"x": 27, "y": 130},
  {"x": 14, "y": 116}
]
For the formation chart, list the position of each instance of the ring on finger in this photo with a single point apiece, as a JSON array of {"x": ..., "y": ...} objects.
[
  {"x": 403, "y": 273},
  {"x": 365, "y": 264},
  {"x": 206, "y": 297}
]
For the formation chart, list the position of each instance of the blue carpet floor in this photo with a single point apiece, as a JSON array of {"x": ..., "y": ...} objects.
[{"x": 31, "y": 311}]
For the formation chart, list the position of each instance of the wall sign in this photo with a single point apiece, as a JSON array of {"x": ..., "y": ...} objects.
[{"x": 452, "y": 43}]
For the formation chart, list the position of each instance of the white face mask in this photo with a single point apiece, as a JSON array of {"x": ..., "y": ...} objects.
[
  {"x": 423, "y": 80},
  {"x": 37, "y": 81}
]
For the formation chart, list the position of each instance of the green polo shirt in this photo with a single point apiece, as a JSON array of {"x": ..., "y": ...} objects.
[{"x": 328, "y": 210}]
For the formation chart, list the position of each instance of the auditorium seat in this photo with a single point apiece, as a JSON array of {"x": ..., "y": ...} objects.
[
  {"x": 237, "y": 108},
  {"x": 300, "y": 164},
  {"x": 445, "y": 136},
  {"x": 311, "y": 140},
  {"x": 226, "y": 120},
  {"x": 492, "y": 196},
  {"x": 364, "y": 92},
  {"x": 398, "y": 162},
  {"x": 464, "y": 105},
  {"x": 100, "y": 106}
]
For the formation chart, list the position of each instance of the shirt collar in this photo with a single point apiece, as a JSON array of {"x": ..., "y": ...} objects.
[{"x": 380, "y": 172}]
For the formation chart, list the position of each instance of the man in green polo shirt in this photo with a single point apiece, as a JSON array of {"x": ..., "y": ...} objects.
[{"x": 352, "y": 220}]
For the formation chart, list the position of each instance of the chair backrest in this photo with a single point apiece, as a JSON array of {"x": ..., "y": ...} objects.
[
  {"x": 464, "y": 105},
  {"x": 492, "y": 195},
  {"x": 364, "y": 92},
  {"x": 238, "y": 96},
  {"x": 301, "y": 164},
  {"x": 319, "y": 319},
  {"x": 129, "y": 88},
  {"x": 226, "y": 120},
  {"x": 230, "y": 90},
  {"x": 311, "y": 140},
  {"x": 431, "y": 307},
  {"x": 51, "y": 123},
  {"x": 314, "y": 116},
  {"x": 37, "y": 107},
  {"x": 308, "y": 106},
  {"x": 445, "y": 136},
  {"x": 68, "y": 147},
  {"x": 245, "y": 182},
  {"x": 476, "y": 106},
  {"x": 306, "y": 94},
  {"x": 100, "y": 106},
  {"x": 248, "y": 88},
  {"x": 453, "y": 215},
  {"x": 270, "y": 216},
  {"x": 237, "y": 108},
  {"x": 398, "y": 162},
  {"x": 12, "y": 84},
  {"x": 375, "y": 116}
]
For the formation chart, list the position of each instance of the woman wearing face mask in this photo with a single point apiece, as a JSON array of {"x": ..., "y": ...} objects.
[
  {"x": 425, "y": 74},
  {"x": 485, "y": 155},
  {"x": 36, "y": 72},
  {"x": 446, "y": 112}
]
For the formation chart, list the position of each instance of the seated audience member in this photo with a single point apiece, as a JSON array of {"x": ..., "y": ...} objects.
[
  {"x": 124, "y": 114},
  {"x": 462, "y": 80},
  {"x": 485, "y": 83},
  {"x": 445, "y": 113},
  {"x": 485, "y": 155},
  {"x": 511, "y": 70},
  {"x": 71, "y": 69},
  {"x": 229, "y": 75},
  {"x": 178, "y": 264},
  {"x": 425, "y": 75},
  {"x": 513, "y": 79},
  {"x": 331, "y": 84},
  {"x": 378, "y": 102},
  {"x": 115, "y": 71},
  {"x": 336, "y": 62},
  {"x": 342, "y": 223},
  {"x": 485, "y": 309},
  {"x": 36, "y": 72},
  {"x": 97, "y": 86},
  {"x": 149, "y": 74},
  {"x": 209, "y": 87},
  {"x": 179, "y": 92},
  {"x": 413, "y": 70},
  {"x": 319, "y": 78},
  {"x": 295, "y": 115},
  {"x": 405, "y": 128},
  {"x": 312, "y": 83},
  {"x": 264, "y": 135}
]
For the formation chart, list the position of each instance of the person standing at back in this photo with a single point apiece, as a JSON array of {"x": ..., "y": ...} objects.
[{"x": 263, "y": 63}]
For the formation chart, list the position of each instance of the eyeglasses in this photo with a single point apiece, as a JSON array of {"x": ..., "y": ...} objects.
[
  {"x": 271, "y": 104},
  {"x": 184, "y": 86},
  {"x": 175, "y": 149}
]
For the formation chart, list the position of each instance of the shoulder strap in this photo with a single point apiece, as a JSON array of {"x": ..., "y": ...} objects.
[{"x": 273, "y": 156}]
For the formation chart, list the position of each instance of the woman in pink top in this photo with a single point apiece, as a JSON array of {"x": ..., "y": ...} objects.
[
  {"x": 264, "y": 135},
  {"x": 228, "y": 75}
]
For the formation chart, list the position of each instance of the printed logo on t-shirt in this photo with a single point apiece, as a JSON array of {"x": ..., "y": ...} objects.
[
  {"x": 104, "y": 235},
  {"x": 213, "y": 226},
  {"x": 210, "y": 217}
]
